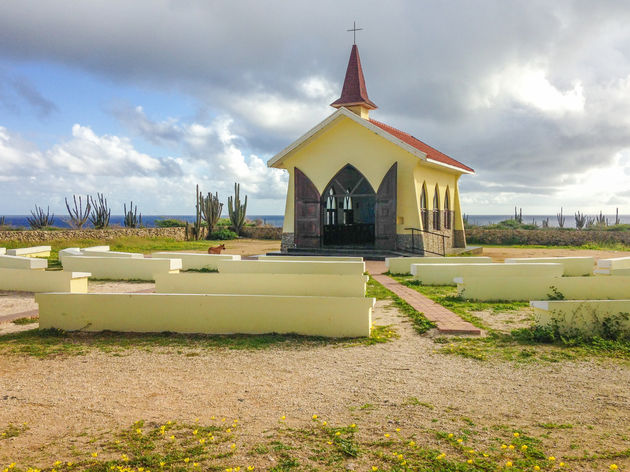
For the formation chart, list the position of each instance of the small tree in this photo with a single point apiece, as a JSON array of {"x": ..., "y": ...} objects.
[{"x": 237, "y": 210}]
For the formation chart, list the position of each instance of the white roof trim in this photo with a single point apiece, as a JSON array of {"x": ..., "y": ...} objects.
[{"x": 365, "y": 123}]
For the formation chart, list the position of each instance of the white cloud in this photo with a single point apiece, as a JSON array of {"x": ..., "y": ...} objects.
[{"x": 528, "y": 86}]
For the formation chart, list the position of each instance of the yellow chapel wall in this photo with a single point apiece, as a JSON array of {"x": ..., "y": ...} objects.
[{"x": 346, "y": 142}]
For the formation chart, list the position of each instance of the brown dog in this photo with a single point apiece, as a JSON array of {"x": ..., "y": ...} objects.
[{"x": 216, "y": 249}]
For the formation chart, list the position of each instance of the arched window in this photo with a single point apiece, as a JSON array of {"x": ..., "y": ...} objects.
[
  {"x": 447, "y": 210},
  {"x": 331, "y": 208},
  {"x": 424, "y": 213},
  {"x": 347, "y": 208},
  {"x": 436, "y": 208}
]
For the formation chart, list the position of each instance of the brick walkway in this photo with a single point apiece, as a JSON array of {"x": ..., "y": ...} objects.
[{"x": 447, "y": 322}]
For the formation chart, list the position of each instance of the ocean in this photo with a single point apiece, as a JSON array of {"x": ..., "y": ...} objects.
[{"x": 276, "y": 220}]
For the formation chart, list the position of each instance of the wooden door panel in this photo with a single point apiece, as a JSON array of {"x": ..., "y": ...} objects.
[
  {"x": 385, "y": 210},
  {"x": 307, "y": 212}
]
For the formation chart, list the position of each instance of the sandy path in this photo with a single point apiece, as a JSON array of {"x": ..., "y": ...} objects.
[{"x": 63, "y": 397}]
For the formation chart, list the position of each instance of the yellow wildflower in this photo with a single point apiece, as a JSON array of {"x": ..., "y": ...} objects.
[
  {"x": 613, "y": 467},
  {"x": 459, "y": 440},
  {"x": 314, "y": 417},
  {"x": 162, "y": 464},
  {"x": 397, "y": 430},
  {"x": 353, "y": 425},
  {"x": 503, "y": 446},
  {"x": 337, "y": 433},
  {"x": 386, "y": 435},
  {"x": 516, "y": 435},
  {"x": 202, "y": 440},
  {"x": 57, "y": 463},
  {"x": 508, "y": 464},
  {"x": 233, "y": 446},
  {"x": 228, "y": 430},
  {"x": 187, "y": 460},
  {"x": 511, "y": 446},
  {"x": 282, "y": 418},
  {"x": 536, "y": 467},
  {"x": 551, "y": 458},
  {"x": 329, "y": 442},
  {"x": 195, "y": 464},
  {"x": 94, "y": 454},
  {"x": 250, "y": 467},
  {"x": 172, "y": 437},
  {"x": 450, "y": 435},
  {"x": 195, "y": 432},
  {"x": 523, "y": 447},
  {"x": 374, "y": 468},
  {"x": 412, "y": 444},
  {"x": 469, "y": 461}
]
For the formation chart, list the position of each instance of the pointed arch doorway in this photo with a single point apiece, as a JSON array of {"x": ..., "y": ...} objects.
[{"x": 348, "y": 210}]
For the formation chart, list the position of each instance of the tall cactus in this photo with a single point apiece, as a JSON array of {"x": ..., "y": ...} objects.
[
  {"x": 211, "y": 210},
  {"x": 195, "y": 231},
  {"x": 132, "y": 220},
  {"x": 237, "y": 210}
]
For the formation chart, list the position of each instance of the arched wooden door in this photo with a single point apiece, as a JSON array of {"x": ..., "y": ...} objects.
[
  {"x": 307, "y": 212},
  {"x": 385, "y": 209}
]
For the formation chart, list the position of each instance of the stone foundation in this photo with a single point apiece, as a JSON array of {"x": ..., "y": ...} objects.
[{"x": 287, "y": 241}]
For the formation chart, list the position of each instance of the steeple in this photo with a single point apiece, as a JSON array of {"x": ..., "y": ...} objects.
[{"x": 354, "y": 94}]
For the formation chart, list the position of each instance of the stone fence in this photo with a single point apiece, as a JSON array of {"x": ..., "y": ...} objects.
[
  {"x": 31, "y": 236},
  {"x": 178, "y": 234},
  {"x": 545, "y": 237}
]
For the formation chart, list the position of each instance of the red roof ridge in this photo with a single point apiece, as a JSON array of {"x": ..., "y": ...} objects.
[
  {"x": 354, "y": 91},
  {"x": 431, "y": 153}
]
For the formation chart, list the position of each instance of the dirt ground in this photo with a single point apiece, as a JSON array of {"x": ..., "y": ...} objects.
[
  {"x": 498, "y": 254},
  {"x": 67, "y": 400},
  {"x": 64, "y": 397}
]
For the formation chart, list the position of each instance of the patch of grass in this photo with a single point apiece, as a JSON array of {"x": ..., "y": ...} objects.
[
  {"x": 26, "y": 321},
  {"x": 224, "y": 446},
  {"x": 420, "y": 323},
  {"x": 555, "y": 426},
  {"x": 415, "y": 402},
  {"x": 12, "y": 431},
  {"x": 53, "y": 342}
]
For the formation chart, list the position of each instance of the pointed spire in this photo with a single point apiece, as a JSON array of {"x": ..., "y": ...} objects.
[{"x": 354, "y": 93}]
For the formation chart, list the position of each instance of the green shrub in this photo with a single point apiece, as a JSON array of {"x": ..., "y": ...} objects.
[
  {"x": 223, "y": 234},
  {"x": 169, "y": 223}
]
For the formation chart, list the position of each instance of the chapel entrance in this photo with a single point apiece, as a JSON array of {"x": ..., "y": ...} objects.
[{"x": 348, "y": 207}]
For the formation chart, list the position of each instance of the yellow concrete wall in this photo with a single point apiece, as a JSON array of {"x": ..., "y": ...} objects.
[
  {"x": 121, "y": 268},
  {"x": 573, "y": 266},
  {"x": 311, "y": 258},
  {"x": 540, "y": 288},
  {"x": 21, "y": 262},
  {"x": 346, "y": 142},
  {"x": 25, "y": 280},
  {"x": 209, "y": 314},
  {"x": 402, "y": 265},
  {"x": 263, "y": 284},
  {"x": 34, "y": 251},
  {"x": 291, "y": 267},
  {"x": 430, "y": 176},
  {"x": 614, "y": 263},
  {"x": 582, "y": 316},
  {"x": 197, "y": 261},
  {"x": 443, "y": 274}
]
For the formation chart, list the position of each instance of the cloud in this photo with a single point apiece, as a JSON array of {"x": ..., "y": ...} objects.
[
  {"x": 16, "y": 90},
  {"x": 533, "y": 95}
]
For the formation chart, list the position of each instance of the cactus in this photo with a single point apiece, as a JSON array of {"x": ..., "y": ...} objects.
[
  {"x": 580, "y": 220},
  {"x": 211, "y": 210},
  {"x": 100, "y": 212},
  {"x": 2, "y": 221},
  {"x": 195, "y": 231},
  {"x": 237, "y": 210},
  {"x": 617, "y": 219},
  {"x": 518, "y": 216},
  {"x": 131, "y": 217},
  {"x": 40, "y": 219},
  {"x": 545, "y": 223},
  {"x": 601, "y": 220},
  {"x": 560, "y": 218},
  {"x": 78, "y": 216}
]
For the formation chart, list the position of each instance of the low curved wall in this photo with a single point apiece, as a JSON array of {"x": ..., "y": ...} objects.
[{"x": 100, "y": 234}]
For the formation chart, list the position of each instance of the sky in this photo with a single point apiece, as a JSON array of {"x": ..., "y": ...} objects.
[{"x": 143, "y": 100}]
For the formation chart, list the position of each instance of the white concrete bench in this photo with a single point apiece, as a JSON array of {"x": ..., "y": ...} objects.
[
  {"x": 615, "y": 272},
  {"x": 43, "y": 281},
  {"x": 263, "y": 284},
  {"x": 210, "y": 314},
  {"x": 614, "y": 263},
  {"x": 444, "y": 274},
  {"x": 525, "y": 288},
  {"x": 35, "y": 251},
  {"x": 264, "y": 257},
  {"x": 88, "y": 252},
  {"x": 96, "y": 249},
  {"x": 402, "y": 265},
  {"x": 291, "y": 267},
  {"x": 583, "y": 316},
  {"x": 197, "y": 261},
  {"x": 573, "y": 266},
  {"x": 3, "y": 251},
  {"x": 121, "y": 268},
  {"x": 19, "y": 262}
]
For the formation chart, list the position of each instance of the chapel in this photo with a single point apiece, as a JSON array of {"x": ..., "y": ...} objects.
[{"x": 355, "y": 182}]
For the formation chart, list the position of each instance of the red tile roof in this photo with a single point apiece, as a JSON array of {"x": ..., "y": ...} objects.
[
  {"x": 431, "y": 153},
  {"x": 354, "y": 91}
]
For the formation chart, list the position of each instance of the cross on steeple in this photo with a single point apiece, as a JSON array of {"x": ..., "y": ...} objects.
[{"x": 354, "y": 32}]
